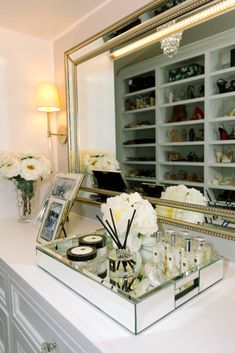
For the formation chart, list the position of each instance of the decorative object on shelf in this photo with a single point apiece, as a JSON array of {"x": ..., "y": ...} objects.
[
  {"x": 178, "y": 114},
  {"x": 133, "y": 218},
  {"x": 24, "y": 169},
  {"x": 219, "y": 180},
  {"x": 224, "y": 157},
  {"x": 190, "y": 92},
  {"x": 232, "y": 113},
  {"x": 184, "y": 194},
  {"x": 223, "y": 132},
  {"x": 224, "y": 86},
  {"x": 186, "y": 71},
  {"x": 201, "y": 91},
  {"x": 171, "y": 43},
  {"x": 197, "y": 114}
]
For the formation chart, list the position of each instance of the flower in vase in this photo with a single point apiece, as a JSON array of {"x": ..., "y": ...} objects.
[
  {"x": 100, "y": 161},
  {"x": 182, "y": 193},
  {"x": 31, "y": 169},
  {"x": 126, "y": 207},
  {"x": 24, "y": 169}
]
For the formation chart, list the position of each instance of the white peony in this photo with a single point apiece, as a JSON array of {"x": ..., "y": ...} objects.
[
  {"x": 30, "y": 165},
  {"x": 10, "y": 168},
  {"x": 182, "y": 193},
  {"x": 100, "y": 161},
  {"x": 31, "y": 169},
  {"x": 122, "y": 206}
]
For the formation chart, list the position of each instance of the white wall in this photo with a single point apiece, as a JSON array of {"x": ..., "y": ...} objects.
[
  {"x": 111, "y": 12},
  {"x": 24, "y": 62}
]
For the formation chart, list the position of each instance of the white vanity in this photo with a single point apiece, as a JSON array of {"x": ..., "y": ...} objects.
[{"x": 40, "y": 314}]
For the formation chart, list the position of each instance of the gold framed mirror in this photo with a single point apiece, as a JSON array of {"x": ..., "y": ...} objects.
[{"x": 189, "y": 16}]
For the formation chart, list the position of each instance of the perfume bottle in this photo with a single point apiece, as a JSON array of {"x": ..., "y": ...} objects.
[
  {"x": 199, "y": 251},
  {"x": 172, "y": 259},
  {"x": 187, "y": 256},
  {"x": 159, "y": 251}
]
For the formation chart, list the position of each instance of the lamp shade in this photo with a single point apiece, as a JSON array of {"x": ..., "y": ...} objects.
[{"x": 48, "y": 97}]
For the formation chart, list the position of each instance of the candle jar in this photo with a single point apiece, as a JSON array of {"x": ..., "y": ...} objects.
[
  {"x": 99, "y": 242},
  {"x": 83, "y": 258},
  {"x": 123, "y": 268}
]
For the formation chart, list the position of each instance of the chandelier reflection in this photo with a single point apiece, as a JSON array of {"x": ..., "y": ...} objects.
[{"x": 170, "y": 44}]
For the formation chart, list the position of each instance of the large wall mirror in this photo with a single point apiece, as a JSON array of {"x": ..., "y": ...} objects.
[{"x": 169, "y": 119}]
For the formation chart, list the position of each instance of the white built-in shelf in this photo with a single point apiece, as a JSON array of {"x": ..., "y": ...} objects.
[
  {"x": 185, "y": 182},
  {"x": 139, "y": 110},
  {"x": 137, "y": 93},
  {"x": 222, "y": 118},
  {"x": 221, "y": 165},
  {"x": 144, "y": 179},
  {"x": 140, "y": 145},
  {"x": 216, "y": 107},
  {"x": 223, "y": 71},
  {"x": 183, "y": 123},
  {"x": 183, "y": 102},
  {"x": 220, "y": 186},
  {"x": 182, "y": 163},
  {"x": 222, "y": 142},
  {"x": 223, "y": 95},
  {"x": 140, "y": 162},
  {"x": 181, "y": 82},
  {"x": 143, "y": 127},
  {"x": 183, "y": 143}
]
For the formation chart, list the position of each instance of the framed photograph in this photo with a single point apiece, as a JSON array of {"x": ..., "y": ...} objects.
[
  {"x": 53, "y": 220},
  {"x": 65, "y": 186}
]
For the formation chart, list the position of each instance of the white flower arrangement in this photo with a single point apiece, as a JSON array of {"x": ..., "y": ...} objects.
[
  {"x": 122, "y": 207},
  {"x": 100, "y": 161},
  {"x": 30, "y": 165},
  {"x": 182, "y": 193}
]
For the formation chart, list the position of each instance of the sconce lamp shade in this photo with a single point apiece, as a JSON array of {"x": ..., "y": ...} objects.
[{"x": 48, "y": 97}]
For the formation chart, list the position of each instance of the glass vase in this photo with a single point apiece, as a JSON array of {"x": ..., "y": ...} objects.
[
  {"x": 25, "y": 195},
  {"x": 123, "y": 268}
]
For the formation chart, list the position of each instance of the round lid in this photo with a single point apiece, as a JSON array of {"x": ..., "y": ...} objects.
[
  {"x": 98, "y": 241},
  {"x": 81, "y": 253}
]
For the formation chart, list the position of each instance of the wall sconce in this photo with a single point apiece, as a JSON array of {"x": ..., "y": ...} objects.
[{"x": 48, "y": 101}]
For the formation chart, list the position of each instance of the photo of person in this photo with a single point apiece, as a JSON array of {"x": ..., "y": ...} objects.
[
  {"x": 52, "y": 221},
  {"x": 63, "y": 187}
]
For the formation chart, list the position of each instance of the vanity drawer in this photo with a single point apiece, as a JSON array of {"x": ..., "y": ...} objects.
[
  {"x": 36, "y": 323},
  {"x": 4, "y": 331},
  {"x": 3, "y": 285}
]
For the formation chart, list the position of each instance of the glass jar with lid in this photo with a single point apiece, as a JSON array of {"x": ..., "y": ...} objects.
[
  {"x": 83, "y": 258},
  {"x": 99, "y": 242}
]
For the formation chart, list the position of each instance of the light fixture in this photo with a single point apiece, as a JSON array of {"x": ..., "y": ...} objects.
[
  {"x": 170, "y": 44},
  {"x": 201, "y": 16},
  {"x": 48, "y": 101}
]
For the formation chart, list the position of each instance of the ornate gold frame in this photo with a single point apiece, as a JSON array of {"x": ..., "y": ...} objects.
[{"x": 71, "y": 64}]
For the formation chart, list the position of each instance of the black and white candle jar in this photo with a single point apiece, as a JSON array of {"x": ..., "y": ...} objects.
[
  {"x": 83, "y": 257},
  {"x": 99, "y": 242}
]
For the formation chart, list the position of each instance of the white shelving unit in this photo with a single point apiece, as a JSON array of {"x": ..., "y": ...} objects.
[{"x": 205, "y": 160}]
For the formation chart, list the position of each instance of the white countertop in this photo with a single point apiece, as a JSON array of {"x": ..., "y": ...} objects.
[{"x": 203, "y": 325}]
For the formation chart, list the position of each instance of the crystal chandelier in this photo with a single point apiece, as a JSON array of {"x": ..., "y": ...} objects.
[{"x": 170, "y": 44}]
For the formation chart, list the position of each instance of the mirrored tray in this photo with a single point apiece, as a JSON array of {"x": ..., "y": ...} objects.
[{"x": 136, "y": 313}]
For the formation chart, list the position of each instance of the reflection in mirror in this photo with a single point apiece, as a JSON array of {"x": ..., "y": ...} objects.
[{"x": 166, "y": 130}]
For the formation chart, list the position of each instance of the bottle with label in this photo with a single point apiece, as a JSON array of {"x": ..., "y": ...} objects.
[
  {"x": 172, "y": 258},
  {"x": 159, "y": 251},
  {"x": 199, "y": 250},
  {"x": 187, "y": 256}
]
